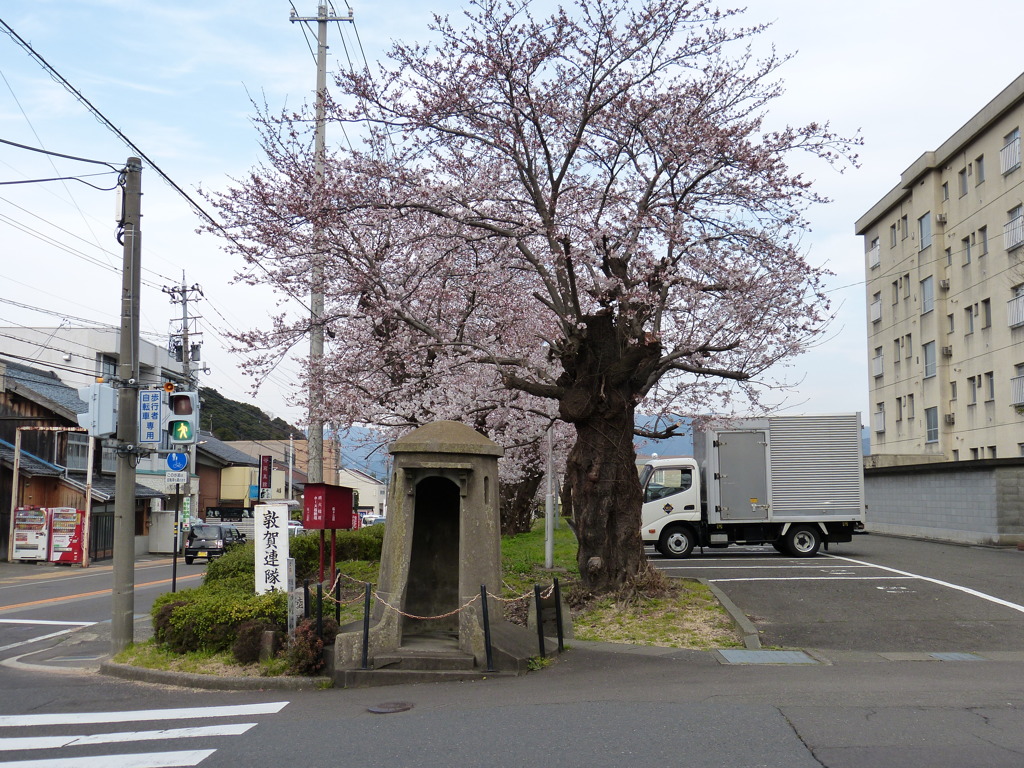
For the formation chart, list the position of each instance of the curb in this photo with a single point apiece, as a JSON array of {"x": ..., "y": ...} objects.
[
  {"x": 751, "y": 638},
  {"x": 213, "y": 682}
]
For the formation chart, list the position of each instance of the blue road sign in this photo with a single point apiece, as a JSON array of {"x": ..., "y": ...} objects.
[{"x": 177, "y": 461}]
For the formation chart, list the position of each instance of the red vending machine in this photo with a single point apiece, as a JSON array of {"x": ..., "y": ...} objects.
[{"x": 66, "y": 535}]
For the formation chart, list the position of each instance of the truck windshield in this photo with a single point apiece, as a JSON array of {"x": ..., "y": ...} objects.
[{"x": 665, "y": 482}]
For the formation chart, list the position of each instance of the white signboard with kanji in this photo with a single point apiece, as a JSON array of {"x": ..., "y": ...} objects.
[{"x": 271, "y": 547}]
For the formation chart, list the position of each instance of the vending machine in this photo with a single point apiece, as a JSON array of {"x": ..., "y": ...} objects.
[
  {"x": 31, "y": 535},
  {"x": 66, "y": 535}
]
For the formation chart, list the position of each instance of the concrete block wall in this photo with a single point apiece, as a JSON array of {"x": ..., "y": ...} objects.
[{"x": 970, "y": 504}]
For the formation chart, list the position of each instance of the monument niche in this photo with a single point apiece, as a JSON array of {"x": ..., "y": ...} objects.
[{"x": 442, "y": 542}]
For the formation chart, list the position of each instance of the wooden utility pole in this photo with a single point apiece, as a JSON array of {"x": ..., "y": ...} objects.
[{"x": 122, "y": 628}]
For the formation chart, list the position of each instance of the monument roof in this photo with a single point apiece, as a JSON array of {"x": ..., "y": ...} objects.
[{"x": 447, "y": 437}]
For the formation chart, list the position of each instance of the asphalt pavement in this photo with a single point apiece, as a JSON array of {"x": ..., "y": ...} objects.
[{"x": 604, "y": 704}]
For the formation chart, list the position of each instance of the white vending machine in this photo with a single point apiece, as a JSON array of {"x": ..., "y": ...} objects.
[{"x": 31, "y": 534}]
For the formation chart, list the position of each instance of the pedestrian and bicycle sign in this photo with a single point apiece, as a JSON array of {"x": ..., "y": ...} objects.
[{"x": 177, "y": 461}]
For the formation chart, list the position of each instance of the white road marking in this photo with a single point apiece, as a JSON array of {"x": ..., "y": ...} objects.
[
  {"x": 56, "y": 742},
  {"x": 37, "y": 639},
  {"x": 966, "y": 590},
  {"x": 47, "y": 622},
  {"x": 745, "y": 567},
  {"x": 72, "y": 718},
  {"x": 143, "y": 760},
  {"x": 816, "y": 578}
]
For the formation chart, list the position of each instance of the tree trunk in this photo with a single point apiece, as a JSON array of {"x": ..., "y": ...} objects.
[
  {"x": 518, "y": 503},
  {"x": 601, "y": 493}
]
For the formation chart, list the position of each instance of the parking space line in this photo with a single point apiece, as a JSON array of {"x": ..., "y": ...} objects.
[
  {"x": 959, "y": 588},
  {"x": 816, "y": 578}
]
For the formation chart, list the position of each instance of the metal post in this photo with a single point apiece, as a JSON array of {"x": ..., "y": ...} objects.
[
  {"x": 487, "y": 628},
  {"x": 337, "y": 600},
  {"x": 540, "y": 620},
  {"x": 366, "y": 627},
  {"x": 305, "y": 598},
  {"x": 320, "y": 610},
  {"x": 122, "y": 620},
  {"x": 557, "y": 592},
  {"x": 174, "y": 560}
]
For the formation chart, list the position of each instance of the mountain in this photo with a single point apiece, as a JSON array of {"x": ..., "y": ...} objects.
[{"x": 232, "y": 420}]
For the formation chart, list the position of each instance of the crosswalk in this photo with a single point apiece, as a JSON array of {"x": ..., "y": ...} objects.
[{"x": 33, "y": 736}]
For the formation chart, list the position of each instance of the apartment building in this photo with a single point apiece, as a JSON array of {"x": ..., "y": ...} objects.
[{"x": 944, "y": 259}]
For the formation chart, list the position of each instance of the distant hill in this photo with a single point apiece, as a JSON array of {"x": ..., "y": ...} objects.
[{"x": 232, "y": 420}]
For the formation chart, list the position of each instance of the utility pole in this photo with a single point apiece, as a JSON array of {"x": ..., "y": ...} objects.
[
  {"x": 122, "y": 627},
  {"x": 315, "y": 427},
  {"x": 183, "y": 294}
]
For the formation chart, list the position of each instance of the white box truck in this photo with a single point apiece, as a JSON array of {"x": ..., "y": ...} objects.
[{"x": 795, "y": 482}]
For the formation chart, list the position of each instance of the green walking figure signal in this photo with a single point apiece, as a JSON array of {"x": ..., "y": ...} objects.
[{"x": 181, "y": 421}]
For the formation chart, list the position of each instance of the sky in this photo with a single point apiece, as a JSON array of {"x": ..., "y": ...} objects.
[{"x": 179, "y": 79}]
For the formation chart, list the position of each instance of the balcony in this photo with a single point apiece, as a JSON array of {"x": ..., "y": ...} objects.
[
  {"x": 877, "y": 365},
  {"x": 875, "y": 256},
  {"x": 1009, "y": 156},
  {"x": 1015, "y": 311},
  {"x": 1017, "y": 390},
  {"x": 875, "y": 311},
  {"x": 878, "y": 420},
  {"x": 1013, "y": 233}
]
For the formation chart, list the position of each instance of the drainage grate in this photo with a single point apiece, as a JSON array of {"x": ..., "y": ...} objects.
[{"x": 766, "y": 657}]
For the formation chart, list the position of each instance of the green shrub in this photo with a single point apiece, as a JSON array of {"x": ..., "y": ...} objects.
[
  {"x": 238, "y": 561},
  {"x": 208, "y": 619}
]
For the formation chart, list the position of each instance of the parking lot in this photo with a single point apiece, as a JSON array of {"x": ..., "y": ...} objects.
[{"x": 877, "y": 593}]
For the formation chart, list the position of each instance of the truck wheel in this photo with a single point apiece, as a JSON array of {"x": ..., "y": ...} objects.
[
  {"x": 676, "y": 541},
  {"x": 188, "y": 560},
  {"x": 803, "y": 541}
]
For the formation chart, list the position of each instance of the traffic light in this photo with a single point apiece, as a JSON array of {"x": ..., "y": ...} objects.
[
  {"x": 182, "y": 418},
  {"x": 101, "y": 418}
]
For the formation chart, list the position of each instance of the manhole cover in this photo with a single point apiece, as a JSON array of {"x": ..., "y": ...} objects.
[{"x": 389, "y": 707}]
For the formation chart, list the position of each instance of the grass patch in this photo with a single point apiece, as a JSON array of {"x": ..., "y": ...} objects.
[{"x": 150, "y": 655}]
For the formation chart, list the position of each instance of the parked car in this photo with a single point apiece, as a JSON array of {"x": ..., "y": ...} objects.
[
  {"x": 295, "y": 527},
  {"x": 206, "y": 541},
  {"x": 373, "y": 519}
]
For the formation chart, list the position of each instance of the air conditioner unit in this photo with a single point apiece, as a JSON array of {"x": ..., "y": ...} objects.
[
  {"x": 947, "y": 351},
  {"x": 944, "y": 284},
  {"x": 950, "y": 418},
  {"x": 940, "y": 218}
]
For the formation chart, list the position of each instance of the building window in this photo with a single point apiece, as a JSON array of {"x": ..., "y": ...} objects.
[
  {"x": 879, "y": 417},
  {"x": 1009, "y": 155},
  {"x": 952, "y": 390},
  {"x": 905, "y": 226},
  {"x": 931, "y": 422},
  {"x": 77, "y": 458},
  {"x": 876, "y": 308},
  {"x": 895, "y": 291},
  {"x": 972, "y": 393},
  {"x": 874, "y": 254},
  {"x": 910, "y": 406},
  {"x": 950, "y": 321},
  {"x": 982, "y": 241},
  {"x": 877, "y": 363},
  {"x": 979, "y": 170},
  {"x": 949, "y": 257},
  {"x": 1013, "y": 230},
  {"x": 991, "y": 451},
  {"x": 906, "y": 286},
  {"x": 908, "y": 346},
  {"x": 892, "y": 236},
  {"x": 965, "y": 249},
  {"x": 929, "y": 359},
  {"x": 945, "y": 190},
  {"x": 986, "y": 313},
  {"x": 924, "y": 231},
  {"x": 968, "y": 321},
  {"x": 108, "y": 368},
  {"x": 899, "y": 409},
  {"x": 962, "y": 179},
  {"x": 990, "y": 386},
  {"x": 974, "y": 454},
  {"x": 927, "y": 295}
]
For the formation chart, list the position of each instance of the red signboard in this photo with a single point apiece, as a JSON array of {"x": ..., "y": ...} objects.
[
  {"x": 266, "y": 469},
  {"x": 327, "y": 507}
]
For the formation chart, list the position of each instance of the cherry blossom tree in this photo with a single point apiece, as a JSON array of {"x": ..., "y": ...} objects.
[{"x": 586, "y": 210}]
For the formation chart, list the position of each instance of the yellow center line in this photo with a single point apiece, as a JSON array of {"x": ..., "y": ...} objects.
[{"x": 91, "y": 594}]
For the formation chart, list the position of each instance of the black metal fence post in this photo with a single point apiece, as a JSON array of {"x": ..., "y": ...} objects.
[
  {"x": 305, "y": 598},
  {"x": 558, "y": 616},
  {"x": 487, "y": 629},
  {"x": 337, "y": 601},
  {"x": 366, "y": 627},
  {"x": 540, "y": 620},
  {"x": 320, "y": 610}
]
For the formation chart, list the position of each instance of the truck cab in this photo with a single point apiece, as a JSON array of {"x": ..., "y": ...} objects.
[{"x": 671, "y": 509}]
